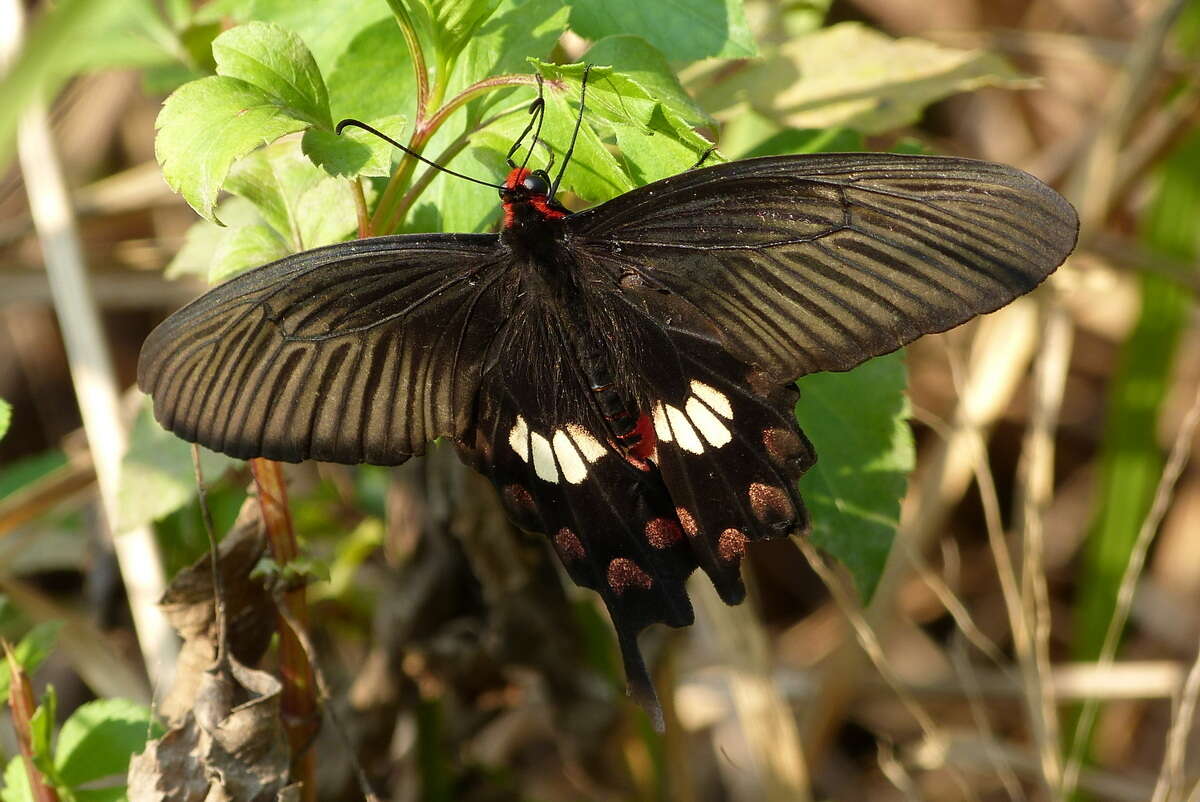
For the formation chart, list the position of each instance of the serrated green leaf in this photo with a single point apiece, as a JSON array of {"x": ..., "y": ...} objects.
[
  {"x": 354, "y": 151},
  {"x": 682, "y": 31},
  {"x": 858, "y": 424},
  {"x": 30, "y": 652},
  {"x": 326, "y": 26},
  {"x": 850, "y": 75},
  {"x": 207, "y": 125},
  {"x": 649, "y": 157},
  {"x": 243, "y": 248},
  {"x": 100, "y": 737},
  {"x": 645, "y": 66},
  {"x": 276, "y": 61},
  {"x": 5, "y": 417},
  {"x": 156, "y": 474},
  {"x": 16, "y": 783}
]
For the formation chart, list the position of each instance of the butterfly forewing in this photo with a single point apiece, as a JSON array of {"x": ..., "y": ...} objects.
[
  {"x": 357, "y": 352},
  {"x": 822, "y": 262}
]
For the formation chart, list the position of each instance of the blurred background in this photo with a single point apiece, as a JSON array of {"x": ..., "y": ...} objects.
[{"x": 1035, "y": 632}]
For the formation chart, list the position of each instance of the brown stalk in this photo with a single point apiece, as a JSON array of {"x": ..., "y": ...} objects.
[
  {"x": 20, "y": 700},
  {"x": 299, "y": 701}
]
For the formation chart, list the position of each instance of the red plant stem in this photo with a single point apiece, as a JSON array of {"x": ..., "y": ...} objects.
[
  {"x": 299, "y": 701},
  {"x": 20, "y": 699}
]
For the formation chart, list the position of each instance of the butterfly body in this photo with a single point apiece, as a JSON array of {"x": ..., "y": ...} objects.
[{"x": 623, "y": 375}]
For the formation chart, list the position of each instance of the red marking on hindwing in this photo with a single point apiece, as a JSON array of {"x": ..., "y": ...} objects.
[
  {"x": 568, "y": 545},
  {"x": 663, "y": 532},
  {"x": 624, "y": 573},
  {"x": 686, "y": 521},
  {"x": 731, "y": 545},
  {"x": 771, "y": 504}
]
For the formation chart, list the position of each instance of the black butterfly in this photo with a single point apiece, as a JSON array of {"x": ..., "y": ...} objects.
[{"x": 623, "y": 375}]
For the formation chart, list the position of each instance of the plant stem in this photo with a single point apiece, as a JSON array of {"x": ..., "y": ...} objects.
[
  {"x": 299, "y": 701},
  {"x": 20, "y": 700}
]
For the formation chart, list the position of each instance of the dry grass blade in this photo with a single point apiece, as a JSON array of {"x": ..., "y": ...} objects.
[
  {"x": 870, "y": 644},
  {"x": 1171, "y": 776},
  {"x": 1037, "y": 485},
  {"x": 766, "y": 718}
]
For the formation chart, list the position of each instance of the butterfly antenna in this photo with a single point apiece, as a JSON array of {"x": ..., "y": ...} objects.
[
  {"x": 574, "y": 134},
  {"x": 537, "y": 112},
  {"x": 351, "y": 123}
]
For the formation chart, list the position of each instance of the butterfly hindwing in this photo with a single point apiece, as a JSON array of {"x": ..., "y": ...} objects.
[{"x": 611, "y": 523}]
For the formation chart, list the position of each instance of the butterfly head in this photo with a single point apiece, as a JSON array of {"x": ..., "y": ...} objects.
[{"x": 526, "y": 197}]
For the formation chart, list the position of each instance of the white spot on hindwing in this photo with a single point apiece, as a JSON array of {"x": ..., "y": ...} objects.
[
  {"x": 714, "y": 398},
  {"x": 543, "y": 458},
  {"x": 518, "y": 438},
  {"x": 681, "y": 425},
  {"x": 685, "y": 435},
  {"x": 589, "y": 446},
  {"x": 709, "y": 424},
  {"x": 570, "y": 461},
  {"x": 567, "y": 453}
]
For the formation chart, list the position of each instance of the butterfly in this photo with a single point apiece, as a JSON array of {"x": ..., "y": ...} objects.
[{"x": 624, "y": 375}]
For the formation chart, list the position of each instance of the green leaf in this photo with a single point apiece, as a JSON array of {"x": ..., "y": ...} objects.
[
  {"x": 515, "y": 32},
  {"x": 276, "y": 61},
  {"x": 243, "y": 248},
  {"x": 203, "y": 240},
  {"x": 18, "y": 473},
  {"x": 41, "y": 730},
  {"x": 373, "y": 77},
  {"x": 5, "y": 417},
  {"x": 100, "y": 737},
  {"x": 32, "y": 650},
  {"x": 207, "y": 125},
  {"x": 355, "y": 151},
  {"x": 299, "y": 200},
  {"x": 821, "y": 140},
  {"x": 850, "y": 75},
  {"x": 326, "y": 26},
  {"x": 16, "y": 783},
  {"x": 858, "y": 424},
  {"x": 268, "y": 86},
  {"x": 455, "y": 22},
  {"x": 644, "y": 66},
  {"x": 156, "y": 473},
  {"x": 682, "y": 31}
]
